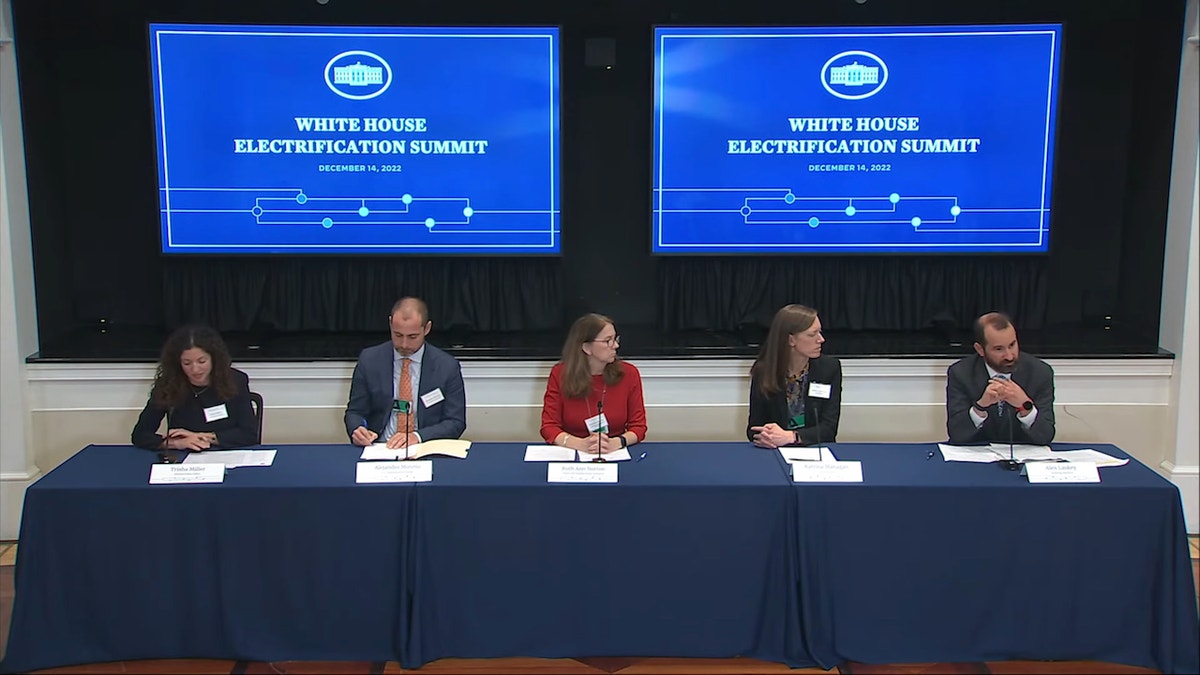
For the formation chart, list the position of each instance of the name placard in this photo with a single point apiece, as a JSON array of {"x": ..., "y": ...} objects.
[
  {"x": 166, "y": 474},
  {"x": 581, "y": 472},
  {"x": 420, "y": 471},
  {"x": 827, "y": 472},
  {"x": 1062, "y": 472}
]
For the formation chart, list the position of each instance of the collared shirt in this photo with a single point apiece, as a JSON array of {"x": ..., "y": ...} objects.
[
  {"x": 1026, "y": 421},
  {"x": 414, "y": 369}
]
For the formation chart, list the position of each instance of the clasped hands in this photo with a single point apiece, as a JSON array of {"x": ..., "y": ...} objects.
[
  {"x": 594, "y": 443},
  {"x": 1003, "y": 389},
  {"x": 363, "y": 436},
  {"x": 182, "y": 439},
  {"x": 772, "y": 436}
]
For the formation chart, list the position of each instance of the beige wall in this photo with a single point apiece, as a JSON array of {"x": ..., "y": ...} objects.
[{"x": 1125, "y": 402}]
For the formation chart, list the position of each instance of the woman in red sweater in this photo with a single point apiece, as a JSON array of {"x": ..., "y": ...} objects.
[{"x": 593, "y": 399}]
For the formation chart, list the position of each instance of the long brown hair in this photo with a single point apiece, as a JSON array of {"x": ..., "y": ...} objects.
[
  {"x": 171, "y": 384},
  {"x": 771, "y": 366},
  {"x": 577, "y": 377}
]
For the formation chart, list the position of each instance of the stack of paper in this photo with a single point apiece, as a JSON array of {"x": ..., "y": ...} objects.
[
  {"x": 807, "y": 454},
  {"x": 232, "y": 458},
  {"x": 548, "y": 453},
  {"x": 1024, "y": 453},
  {"x": 554, "y": 453},
  {"x": 450, "y": 447}
]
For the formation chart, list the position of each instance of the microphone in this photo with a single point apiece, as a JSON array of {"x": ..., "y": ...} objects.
[
  {"x": 167, "y": 435},
  {"x": 602, "y": 428},
  {"x": 817, "y": 417},
  {"x": 1011, "y": 463},
  {"x": 403, "y": 407}
]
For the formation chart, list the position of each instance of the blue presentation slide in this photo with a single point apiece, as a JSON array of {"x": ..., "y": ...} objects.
[
  {"x": 336, "y": 140},
  {"x": 854, "y": 140}
]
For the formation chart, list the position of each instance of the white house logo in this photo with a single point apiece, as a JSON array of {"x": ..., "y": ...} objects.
[
  {"x": 358, "y": 75},
  {"x": 854, "y": 75}
]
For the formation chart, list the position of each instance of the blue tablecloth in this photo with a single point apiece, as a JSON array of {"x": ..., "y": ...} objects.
[
  {"x": 703, "y": 549},
  {"x": 291, "y": 562},
  {"x": 938, "y": 561},
  {"x": 690, "y": 554}
]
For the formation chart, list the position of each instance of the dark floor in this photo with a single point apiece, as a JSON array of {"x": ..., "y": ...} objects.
[{"x": 143, "y": 344}]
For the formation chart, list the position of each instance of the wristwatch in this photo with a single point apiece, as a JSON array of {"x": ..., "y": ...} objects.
[{"x": 624, "y": 443}]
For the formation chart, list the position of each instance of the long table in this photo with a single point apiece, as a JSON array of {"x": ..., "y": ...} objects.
[{"x": 700, "y": 550}]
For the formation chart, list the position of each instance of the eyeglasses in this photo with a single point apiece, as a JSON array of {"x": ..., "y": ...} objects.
[{"x": 611, "y": 341}]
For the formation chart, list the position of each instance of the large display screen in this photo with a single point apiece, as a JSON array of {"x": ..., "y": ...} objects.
[
  {"x": 890, "y": 139},
  {"x": 307, "y": 139}
]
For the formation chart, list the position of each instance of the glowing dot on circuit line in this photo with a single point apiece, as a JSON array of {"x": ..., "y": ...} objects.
[
  {"x": 814, "y": 221},
  {"x": 745, "y": 210},
  {"x": 468, "y": 212},
  {"x": 916, "y": 221},
  {"x": 894, "y": 198},
  {"x": 364, "y": 211},
  {"x": 327, "y": 223},
  {"x": 301, "y": 198},
  {"x": 954, "y": 210},
  {"x": 850, "y": 210},
  {"x": 429, "y": 222},
  {"x": 789, "y": 198},
  {"x": 257, "y": 211},
  {"x": 407, "y": 199}
]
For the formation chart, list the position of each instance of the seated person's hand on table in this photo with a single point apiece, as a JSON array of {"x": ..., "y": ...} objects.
[
  {"x": 610, "y": 443},
  {"x": 182, "y": 439},
  {"x": 363, "y": 436},
  {"x": 397, "y": 440},
  {"x": 772, "y": 436},
  {"x": 592, "y": 444}
]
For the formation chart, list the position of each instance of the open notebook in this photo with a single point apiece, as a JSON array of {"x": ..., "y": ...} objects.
[{"x": 447, "y": 447}]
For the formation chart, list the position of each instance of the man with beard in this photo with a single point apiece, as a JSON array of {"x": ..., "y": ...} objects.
[{"x": 984, "y": 392}]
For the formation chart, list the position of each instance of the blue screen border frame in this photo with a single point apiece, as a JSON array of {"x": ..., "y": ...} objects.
[
  {"x": 1053, "y": 169},
  {"x": 148, "y": 42}
]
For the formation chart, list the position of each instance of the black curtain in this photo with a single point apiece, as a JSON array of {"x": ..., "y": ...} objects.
[
  {"x": 348, "y": 295},
  {"x": 852, "y": 294}
]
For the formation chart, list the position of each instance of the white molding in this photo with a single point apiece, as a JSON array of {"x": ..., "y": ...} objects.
[
  {"x": 12, "y": 500},
  {"x": 1187, "y": 479},
  {"x": 62, "y": 387}
]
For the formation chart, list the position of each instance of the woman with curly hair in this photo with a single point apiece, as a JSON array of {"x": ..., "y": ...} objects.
[{"x": 205, "y": 400}]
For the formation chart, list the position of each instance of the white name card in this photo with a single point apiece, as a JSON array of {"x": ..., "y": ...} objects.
[
  {"x": 581, "y": 472},
  {"x": 1062, "y": 472},
  {"x": 420, "y": 471},
  {"x": 166, "y": 474},
  {"x": 827, "y": 472}
]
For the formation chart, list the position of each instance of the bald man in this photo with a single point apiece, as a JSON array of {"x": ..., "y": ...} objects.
[{"x": 406, "y": 391}]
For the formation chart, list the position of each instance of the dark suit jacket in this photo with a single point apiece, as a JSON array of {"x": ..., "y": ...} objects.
[
  {"x": 239, "y": 429},
  {"x": 965, "y": 382},
  {"x": 766, "y": 409},
  {"x": 372, "y": 390}
]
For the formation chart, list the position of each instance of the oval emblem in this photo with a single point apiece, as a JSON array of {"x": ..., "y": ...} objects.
[
  {"x": 854, "y": 75},
  {"x": 358, "y": 75}
]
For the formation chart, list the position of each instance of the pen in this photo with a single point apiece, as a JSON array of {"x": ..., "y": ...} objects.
[{"x": 641, "y": 456}]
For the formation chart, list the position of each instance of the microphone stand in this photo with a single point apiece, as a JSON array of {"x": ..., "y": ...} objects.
[
  {"x": 599, "y": 446},
  {"x": 817, "y": 417},
  {"x": 1011, "y": 463}
]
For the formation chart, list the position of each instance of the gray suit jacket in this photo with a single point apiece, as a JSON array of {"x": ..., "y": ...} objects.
[
  {"x": 965, "y": 382},
  {"x": 372, "y": 390}
]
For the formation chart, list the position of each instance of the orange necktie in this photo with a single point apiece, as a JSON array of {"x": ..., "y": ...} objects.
[{"x": 404, "y": 392}]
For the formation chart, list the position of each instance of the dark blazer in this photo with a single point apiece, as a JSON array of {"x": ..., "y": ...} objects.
[
  {"x": 240, "y": 428},
  {"x": 767, "y": 409},
  {"x": 965, "y": 382},
  {"x": 372, "y": 391}
]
